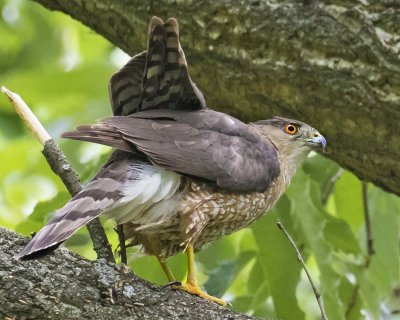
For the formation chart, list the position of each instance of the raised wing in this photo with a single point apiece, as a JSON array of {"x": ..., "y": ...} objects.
[
  {"x": 156, "y": 78},
  {"x": 204, "y": 144}
]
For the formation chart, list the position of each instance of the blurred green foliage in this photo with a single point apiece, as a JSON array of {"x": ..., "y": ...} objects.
[{"x": 61, "y": 69}]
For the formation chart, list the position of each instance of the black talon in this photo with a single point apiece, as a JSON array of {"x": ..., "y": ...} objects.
[{"x": 172, "y": 283}]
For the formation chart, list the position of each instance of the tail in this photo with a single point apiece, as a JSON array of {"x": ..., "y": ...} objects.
[
  {"x": 157, "y": 78},
  {"x": 96, "y": 197}
]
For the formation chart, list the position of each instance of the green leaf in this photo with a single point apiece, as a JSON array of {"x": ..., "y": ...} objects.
[
  {"x": 351, "y": 294},
  {"x": 222, "y": 277},
  {"x": 241, "y": 304},
  {"x": 321, "y": 170},
  {"x": 339, "y": 234},
  {"x": 220, "y": 250},
  {"x": 348, "y": 200}
]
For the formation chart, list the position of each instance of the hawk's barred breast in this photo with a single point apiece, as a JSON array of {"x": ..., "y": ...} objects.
[{"x": 203, "y": 213}]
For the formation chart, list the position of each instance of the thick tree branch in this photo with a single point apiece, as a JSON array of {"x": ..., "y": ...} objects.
[
  {"x": 66, "y": 286},
  {"x": 335, "y": 66},
  {"x": 61, "y": 167}
]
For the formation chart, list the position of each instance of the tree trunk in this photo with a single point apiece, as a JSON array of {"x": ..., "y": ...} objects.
[
  {"x": 333, "y": 64},
  {"x": 66, "y": 286}
]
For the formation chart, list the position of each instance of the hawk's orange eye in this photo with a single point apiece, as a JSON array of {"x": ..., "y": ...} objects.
[{"x": 290, "y": 129}]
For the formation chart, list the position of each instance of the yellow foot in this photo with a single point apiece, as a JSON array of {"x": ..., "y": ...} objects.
[{"x": 193, "y": 289}]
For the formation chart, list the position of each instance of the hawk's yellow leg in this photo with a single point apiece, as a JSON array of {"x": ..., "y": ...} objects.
[
  {"x": 191, "y": 285},
  {"x": 166, "y": 270}
]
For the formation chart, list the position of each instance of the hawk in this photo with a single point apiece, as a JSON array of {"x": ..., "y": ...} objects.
[{"x": 181, "y": 174}]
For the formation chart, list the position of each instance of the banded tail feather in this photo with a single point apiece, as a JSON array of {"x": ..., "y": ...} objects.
[
  {"x": 97, "y": 196},
  {"x": 157, "y": 78},
  {"x": 127, "y": 188}
]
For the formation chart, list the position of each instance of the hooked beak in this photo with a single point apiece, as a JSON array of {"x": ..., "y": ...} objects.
[{"x": 317, "y": 141}]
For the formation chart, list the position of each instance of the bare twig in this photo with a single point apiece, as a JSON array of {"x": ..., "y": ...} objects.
[
  {"x": 122, "y": 246},
  {"x": 353, "y": 301},
  {"x": 331, "y": 183},
  {"x": 27, "y": 116},
  {"x": 370, "y": 247},
  {"x": 61, "y": 167},
  {"x": 368, "y": 228},
  {"x": 300, "y": 258}
]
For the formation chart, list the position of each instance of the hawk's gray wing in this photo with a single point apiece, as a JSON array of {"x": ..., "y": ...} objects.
[
  {"x": 204, "y": 144},
  {"x": 156, "y": 78}
]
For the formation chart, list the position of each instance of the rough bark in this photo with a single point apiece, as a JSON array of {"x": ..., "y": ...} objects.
[
  {"x": 66, "y": 286},
  {"x": 333, "y": 64}
]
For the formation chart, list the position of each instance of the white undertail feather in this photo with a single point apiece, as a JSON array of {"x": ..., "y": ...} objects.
[{"x": 148, "y": 200}]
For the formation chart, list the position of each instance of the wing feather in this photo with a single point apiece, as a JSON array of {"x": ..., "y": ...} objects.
[
  {"x": 204, "y": 144},
  {"x": 156, "y": 78}
]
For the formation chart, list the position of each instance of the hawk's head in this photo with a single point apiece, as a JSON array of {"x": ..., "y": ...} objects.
[{"x": 292, "y": 138}]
